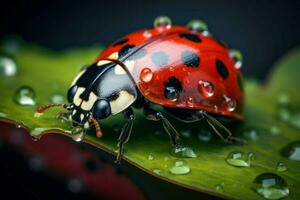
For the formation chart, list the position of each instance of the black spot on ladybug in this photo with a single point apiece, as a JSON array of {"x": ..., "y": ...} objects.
[
  {"x": 173, "y": 88},
  {"x": 190, "y": 59},
  {"x": 191, "y": 37},
  {"x": 160, "y": 58},
  {"x": 139, "y": 54},
  {"x": 120, "y": 42},
  {"x": 240, "y": 82},
  {"x": 222, "y": 70},
  {"x": 125, "y": 50},
  {"x": 222, "y": 43}
]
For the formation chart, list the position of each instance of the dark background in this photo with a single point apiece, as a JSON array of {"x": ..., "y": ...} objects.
[{"x": 262, "y": 30}]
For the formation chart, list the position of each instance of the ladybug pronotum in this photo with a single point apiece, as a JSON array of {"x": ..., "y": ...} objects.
[{"x": 183, "y": 69}]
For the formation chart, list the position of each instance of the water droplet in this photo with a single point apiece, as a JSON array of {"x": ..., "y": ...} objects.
[
  {"x": 204, "y": 135},
  {"x": 77, "y": 134},
  {"x": 237, "y": 56},
  {"x": 147, "y": 34},
  {"x": 150, "y": 157},
  {"x": 206, "y": 88},
  {"x": 146, "y": 75},
  {"x": 162, "y": 22},
  {"x": 57, "y": 98},
  {"x": 283, "y": 99},
  {"x": 274, "y": 130},
  {"x": 199, "y": 26},
  {"x": 271, "y": 186},
  {"x": 35, "y": 138},
  {"x": 75, "y": 185},
  {"x": 186, "y": 133},
  {"x": 220, "y": 187},
  {"x": 292, "y": 151},
  {"x": 281, "y": 167},
  {"x": 239, "y": 159},
  {"x": 18, "y": 126},
  {"x": 2, "y": 114},
  {"x": 251, "y": 134},
  {"x": 190, "y": 102},
  {"x": 8, "y": 66},
  {"x": 157, "y": 171},
  {"x": 25, "y": 96},
  {"x": 230, "y": 103},
  {"x": 180, "y": 167},
  {"x": 183, "y": 152}
]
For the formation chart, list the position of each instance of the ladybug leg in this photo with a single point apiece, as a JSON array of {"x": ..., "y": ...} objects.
[
  {"x": 154, "y": 115},
  {"x": 220, "y": 129},
  {"x": 125, "y": 133}
]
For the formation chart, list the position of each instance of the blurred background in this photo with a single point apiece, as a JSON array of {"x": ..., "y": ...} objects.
[{"x": 262, "y": 30}]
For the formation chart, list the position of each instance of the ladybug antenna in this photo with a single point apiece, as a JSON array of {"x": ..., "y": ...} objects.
[
  {"x": 221, "y": 130},
  {"x": 97, "y": 126},
  {"x": 46, "y": 107}
]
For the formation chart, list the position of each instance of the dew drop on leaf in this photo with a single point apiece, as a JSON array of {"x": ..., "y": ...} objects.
[
  {"x": 25, "y": 95},
  {"x": 157, "y": 171},
  {"x": 219, "y": 187},
  {"x": 204, "y": 135},
  {"x": 2, "y": 114},
  {"x": 281, "y": 167},
  {"x": 150, "y": 157},
  {"x": 8, "y": 66},
  {"x": 270, "y": 186},
  {"x": 183, "y": 152},
  {"x": 239, "y": 159},
  {"x": 179, "y": 167},
  {"x": 292, "y": 151},
  {"x": 77, "y": 134}
]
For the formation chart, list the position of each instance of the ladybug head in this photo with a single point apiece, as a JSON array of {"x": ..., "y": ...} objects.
[{"x": 98, "y": 91}]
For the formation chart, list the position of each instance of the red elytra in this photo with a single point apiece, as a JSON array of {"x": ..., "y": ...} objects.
[{"x": 209, "y": 81}]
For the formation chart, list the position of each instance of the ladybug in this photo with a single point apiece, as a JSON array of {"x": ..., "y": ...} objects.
[{"x": 183, "y": 69}]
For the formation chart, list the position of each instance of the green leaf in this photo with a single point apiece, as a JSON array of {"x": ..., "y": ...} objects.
[{"x": 271, "y": 122}]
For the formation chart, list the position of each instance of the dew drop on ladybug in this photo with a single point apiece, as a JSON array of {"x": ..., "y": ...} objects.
[
  {"x": 146, "y": 75},
  {"x": 230, "y": 103},
  {"x": 147, "y": 34},
  {"x": 206, "y": 88},
  {"x": 237, "y": 56},
  {"x": 190, "y": 101},
  {"x": 162, "y": 22},
  {"x": 198, "y": 26}
]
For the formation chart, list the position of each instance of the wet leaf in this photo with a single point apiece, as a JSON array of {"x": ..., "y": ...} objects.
[{"x": 271, "y": 123}]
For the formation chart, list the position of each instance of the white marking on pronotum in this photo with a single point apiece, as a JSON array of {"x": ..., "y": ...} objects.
[
  {"x": 77, "y": 100},
  {"x": 114, "y": 56},
  {"x": 124, "y": 100},
  {"x": 77, "y": 77},
  {"x": 87, "y": 105},
  {"x": 129, "y": 65}
]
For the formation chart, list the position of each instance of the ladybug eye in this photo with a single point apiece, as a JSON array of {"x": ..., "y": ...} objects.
[
  {"x": 101, "y": 109},
  {"x": 199, "y": 26},
  {"x": 162, "y": 21},
  {"x": 237, "y": 57},
  {"x": 71, "y": 93}
]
